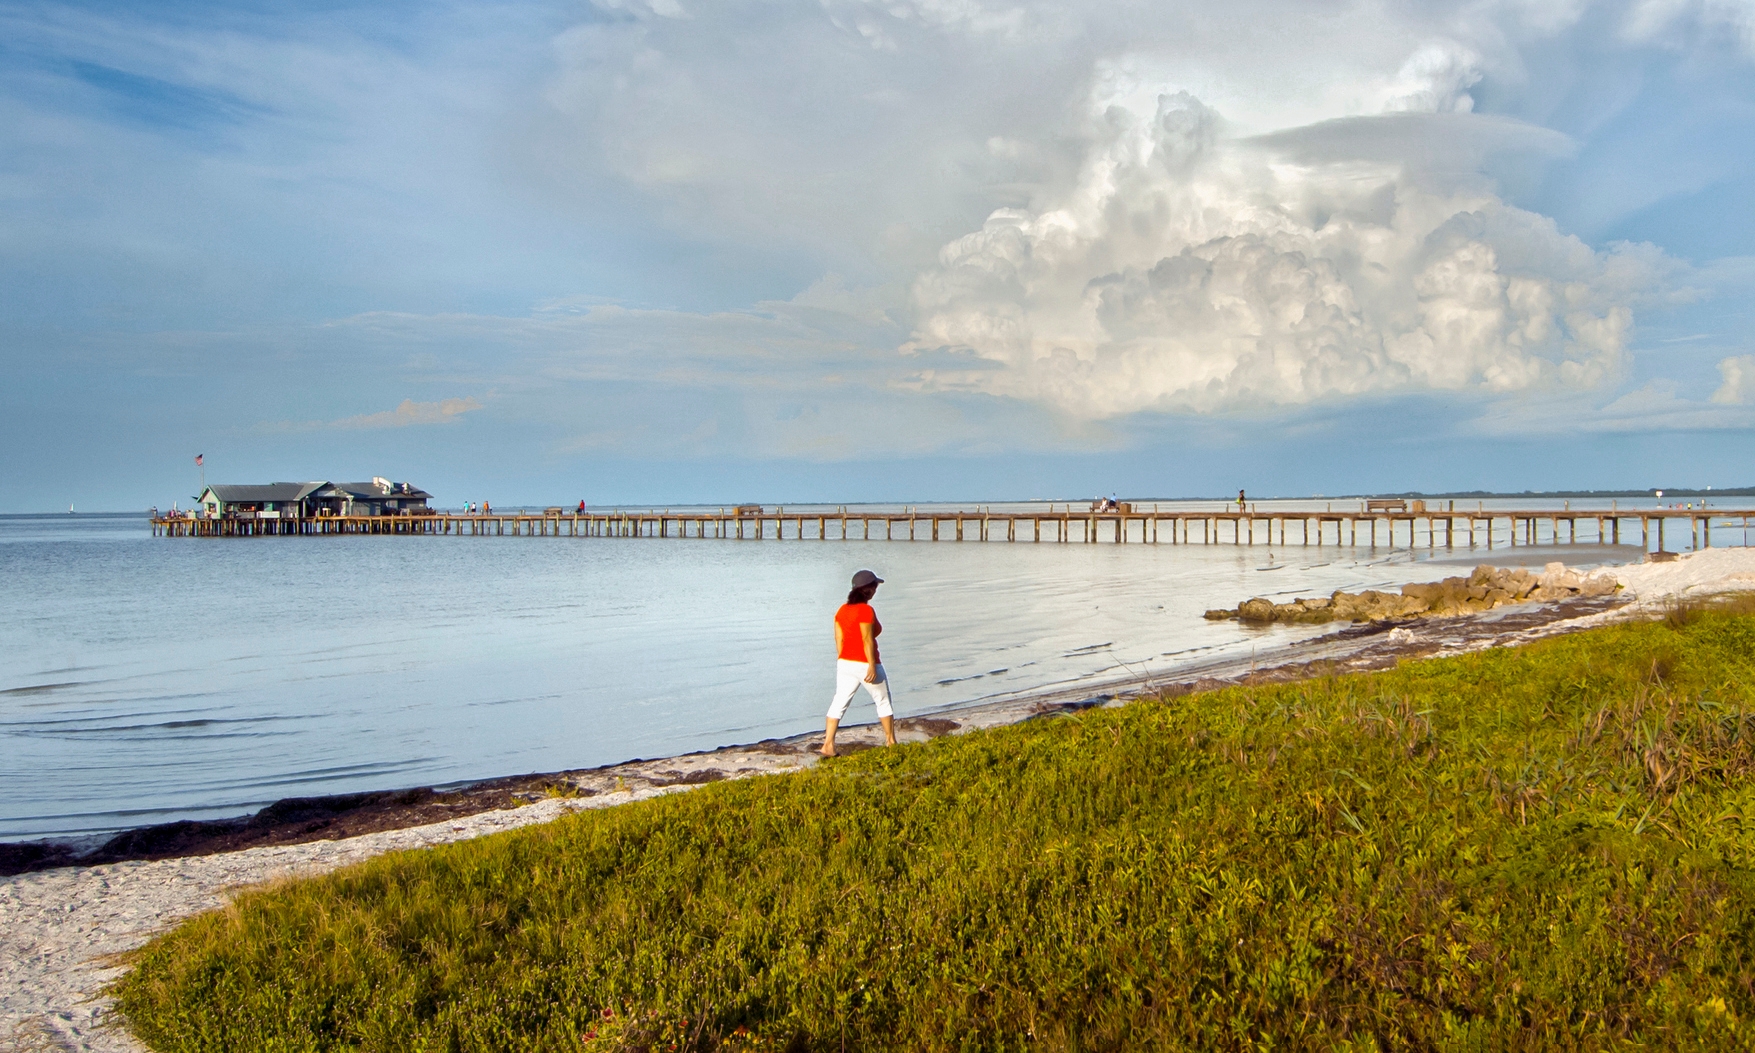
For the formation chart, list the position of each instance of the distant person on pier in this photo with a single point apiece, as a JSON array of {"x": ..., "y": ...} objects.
[
  {"x": 581, "y": 506},
  {"x": 856, "y": 661},
  {"x": 1241, "y": 500}
]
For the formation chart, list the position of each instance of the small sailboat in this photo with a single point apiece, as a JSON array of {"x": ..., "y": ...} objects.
[{"x": 70, "y": 508}]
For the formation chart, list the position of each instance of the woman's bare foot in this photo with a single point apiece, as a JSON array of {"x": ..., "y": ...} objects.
[{"x": 827, "y": 750}]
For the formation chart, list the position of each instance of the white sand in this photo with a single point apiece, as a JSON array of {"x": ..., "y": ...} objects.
[
  {"x": 60, "y": 929},
  {"x": 1653, "y": 587},
  {"x": 1696, "y": 575}
]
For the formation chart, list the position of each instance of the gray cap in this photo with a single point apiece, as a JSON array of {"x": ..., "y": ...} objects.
[{"x": 865, "y": 577}]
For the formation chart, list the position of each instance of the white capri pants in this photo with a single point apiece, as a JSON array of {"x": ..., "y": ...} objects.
[{"x": 849, "y": 678}]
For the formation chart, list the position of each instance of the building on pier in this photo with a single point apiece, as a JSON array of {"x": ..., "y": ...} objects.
[
  {"x": 302, "y": 500},
  {"x": 380, "y": 497},
  {"x": 268, "y": 500}
]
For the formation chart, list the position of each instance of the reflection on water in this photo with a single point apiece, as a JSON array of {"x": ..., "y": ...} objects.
[{"x": 143, "y": 680}]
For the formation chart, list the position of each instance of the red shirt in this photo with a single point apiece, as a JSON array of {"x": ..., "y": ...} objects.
[{"x": 850, "y": 617}]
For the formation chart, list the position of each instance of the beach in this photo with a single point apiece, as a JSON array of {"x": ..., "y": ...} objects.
[
  {"x": 187, "y": 671},
  {"x": 61, "y": 929}
]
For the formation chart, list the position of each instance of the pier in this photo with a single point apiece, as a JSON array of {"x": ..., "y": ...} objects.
[{"x": 1447, "y": 528}]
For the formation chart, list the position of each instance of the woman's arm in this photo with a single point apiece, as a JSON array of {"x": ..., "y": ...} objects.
[
  {"x": 838, "y": 637},
  {"x": 865, "y": 633}
]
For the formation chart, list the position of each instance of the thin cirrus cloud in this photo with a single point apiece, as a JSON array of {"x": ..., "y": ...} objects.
[{"x": 407, "y": 414}]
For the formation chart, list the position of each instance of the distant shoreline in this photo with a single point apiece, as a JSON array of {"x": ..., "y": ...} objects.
[{"x": 1649, "y": 493}]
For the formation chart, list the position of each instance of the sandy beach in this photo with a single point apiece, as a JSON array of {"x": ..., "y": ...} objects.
[{"x": 62, "y": 928}]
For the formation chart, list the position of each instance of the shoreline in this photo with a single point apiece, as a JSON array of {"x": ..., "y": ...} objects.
[
  {"x": 63, "y": 926},
  {"x": 301, "y": 820},
  {"x": 332, "y": 817}
]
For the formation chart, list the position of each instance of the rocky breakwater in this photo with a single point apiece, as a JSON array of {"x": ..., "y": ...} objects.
[{"x": 1483, "y": 590}]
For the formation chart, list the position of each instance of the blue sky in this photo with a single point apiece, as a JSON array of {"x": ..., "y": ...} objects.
[{"x": 658, "y": 251}]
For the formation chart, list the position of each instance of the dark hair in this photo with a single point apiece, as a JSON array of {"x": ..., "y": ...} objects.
[{"x": 862, "y": 593}]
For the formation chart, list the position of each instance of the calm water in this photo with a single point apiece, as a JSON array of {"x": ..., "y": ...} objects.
[{"x": 144, "y": 680}]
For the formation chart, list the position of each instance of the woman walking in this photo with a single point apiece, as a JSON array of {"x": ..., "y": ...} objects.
[{"x": 856, "y": 632}]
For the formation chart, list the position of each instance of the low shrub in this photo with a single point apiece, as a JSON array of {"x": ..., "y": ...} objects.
[{"x": 1535, "y": 848}]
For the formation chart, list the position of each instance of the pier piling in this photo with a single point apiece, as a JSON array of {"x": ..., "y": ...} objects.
[{"x": 1480, "y": 529}]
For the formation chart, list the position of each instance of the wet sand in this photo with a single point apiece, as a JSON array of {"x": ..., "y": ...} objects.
[{"x": 64, "y": 920}]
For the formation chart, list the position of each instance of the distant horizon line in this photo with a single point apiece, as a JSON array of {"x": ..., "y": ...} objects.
[{"x": 1740, "y": 491}]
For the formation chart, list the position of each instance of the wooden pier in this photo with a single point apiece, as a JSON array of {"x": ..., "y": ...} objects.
[{"x": 1181, "y": 526}]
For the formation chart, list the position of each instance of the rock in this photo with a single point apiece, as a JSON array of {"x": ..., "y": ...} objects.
[
  {"x": 1219, "y": 615},
  {"x": 1453, "y": 598},
  {"x": 1430, "y": 592},
  {"x": 1483, "y": 589},
  {"x": 1256, "y": 610},
  {"x": 1374, "y": 606},
  {"x": 1556, "y": 578},
  {"x": 1301, "y": 611}
]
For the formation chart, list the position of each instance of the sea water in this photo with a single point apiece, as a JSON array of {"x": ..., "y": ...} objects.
[{"x": 145, "y": 679}]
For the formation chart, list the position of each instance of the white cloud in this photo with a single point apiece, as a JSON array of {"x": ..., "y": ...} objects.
[
  {"x": 1738, "y": 388},
  {"x": 1675, "y": 23},
  {"x": 1187, "y": 271},
  {"x": 814, "y": 378},
  {"x": 643, "y": 8},
  {"x": 1436, "y": 78}
]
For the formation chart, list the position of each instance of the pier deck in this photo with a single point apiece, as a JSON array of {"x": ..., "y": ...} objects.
[{"x": 1430, "y": 529}]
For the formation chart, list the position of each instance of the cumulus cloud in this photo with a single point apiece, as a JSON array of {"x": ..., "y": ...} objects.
[
  {"x": 1186, "y": 270},
  {"x": 1738, "y": 388},
  {"x": 1436, "y": 78}
]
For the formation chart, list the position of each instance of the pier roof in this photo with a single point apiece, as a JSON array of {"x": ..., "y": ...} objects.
[
  {"x": 232, "y": 493},
  {"x": 375, "y": 488}
]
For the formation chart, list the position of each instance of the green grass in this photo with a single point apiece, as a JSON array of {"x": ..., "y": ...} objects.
[{"x": 1540, "y": 848}]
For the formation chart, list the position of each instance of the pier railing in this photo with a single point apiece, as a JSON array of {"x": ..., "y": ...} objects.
[{"x": 1286, "y": 527}]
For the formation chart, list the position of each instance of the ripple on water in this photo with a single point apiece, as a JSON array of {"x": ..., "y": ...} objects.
[{"x": 147, "y": 679}]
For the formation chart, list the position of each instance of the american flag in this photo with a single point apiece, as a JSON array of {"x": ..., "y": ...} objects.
[{"x": 197, "y": 460}]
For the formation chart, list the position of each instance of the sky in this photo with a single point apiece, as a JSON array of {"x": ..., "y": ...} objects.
[{"x": 656, "y": 252}]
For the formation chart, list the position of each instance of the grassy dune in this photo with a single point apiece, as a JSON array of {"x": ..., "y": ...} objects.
[{"x": 1542, "y": 848}]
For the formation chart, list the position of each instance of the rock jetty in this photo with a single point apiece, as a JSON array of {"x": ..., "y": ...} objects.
[{"x": 1484, "y": 589}]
